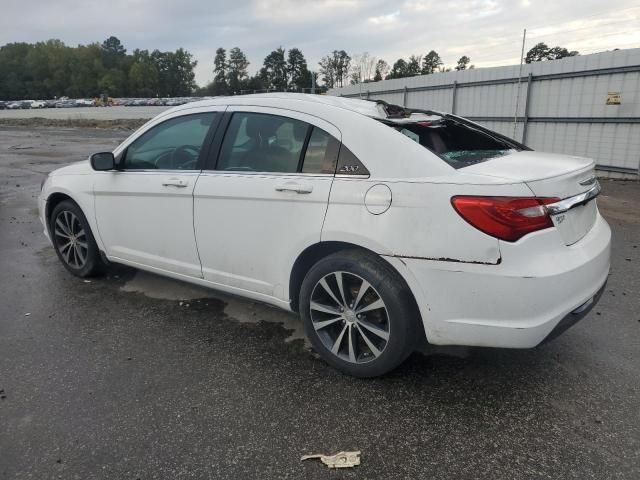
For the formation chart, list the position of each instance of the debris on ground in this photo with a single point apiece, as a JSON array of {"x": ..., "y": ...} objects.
[
  {"x": 27, "y": 314},
  {"x": 120, "y": 124},
  {"x": 339, "y": 460}
]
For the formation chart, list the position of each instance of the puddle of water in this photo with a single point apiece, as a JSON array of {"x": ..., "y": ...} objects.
[
  {"x": 162, "y": 288},
  {"x": 243, "y": 311}
]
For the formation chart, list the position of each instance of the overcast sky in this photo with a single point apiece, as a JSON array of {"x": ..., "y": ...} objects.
[{"x": 488, "y": 31}]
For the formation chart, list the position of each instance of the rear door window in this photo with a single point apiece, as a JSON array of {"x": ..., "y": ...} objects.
[
  {"x": 258, "y": 142},
  {"x": 457, "y": 144}
]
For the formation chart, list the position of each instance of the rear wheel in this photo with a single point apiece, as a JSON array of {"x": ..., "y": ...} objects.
[
  {"x": 358, "y": 313},
  {"x": 73, "y": 240}
]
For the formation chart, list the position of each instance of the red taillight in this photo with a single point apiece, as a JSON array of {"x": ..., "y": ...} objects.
[{"x": 506, "y": 218}]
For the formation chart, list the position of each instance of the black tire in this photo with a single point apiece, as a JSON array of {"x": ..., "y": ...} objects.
[
  {"x": 87, "y": 249},
  {"x": 398, "y": 319}
]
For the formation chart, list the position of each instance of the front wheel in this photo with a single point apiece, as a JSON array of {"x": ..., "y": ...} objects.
[
  {"x": 73, "y": 240},
  {"x": 358, "y": 313}
]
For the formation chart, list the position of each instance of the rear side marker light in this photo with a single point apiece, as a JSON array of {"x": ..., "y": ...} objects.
[{"x": 505, "y": 218}]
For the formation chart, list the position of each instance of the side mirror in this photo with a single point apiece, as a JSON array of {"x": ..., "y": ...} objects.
[{"x": 103, "y": 161}]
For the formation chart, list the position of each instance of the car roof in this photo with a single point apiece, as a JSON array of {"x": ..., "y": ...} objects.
[
  {"x": 363, "y": 107},
  {"x": 379, "y": 145}
]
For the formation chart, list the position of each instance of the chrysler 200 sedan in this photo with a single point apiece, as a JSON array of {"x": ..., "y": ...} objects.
[{"x": 382, "y": 226}]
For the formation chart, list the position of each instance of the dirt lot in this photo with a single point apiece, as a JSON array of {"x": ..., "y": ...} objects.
[
  {"x": 94, "y": 113},
  {"x": 133, "y": 376}
]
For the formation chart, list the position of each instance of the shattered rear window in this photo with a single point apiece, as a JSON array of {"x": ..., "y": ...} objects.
[{"x": 457, "y": 144}]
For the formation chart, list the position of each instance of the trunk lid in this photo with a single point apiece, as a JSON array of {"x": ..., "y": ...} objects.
[{"x": 550, "y": 175}]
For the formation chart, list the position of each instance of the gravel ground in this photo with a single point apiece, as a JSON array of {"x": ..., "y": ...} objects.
[
  {"x": 116, "y": 378},
  {"x": 94, "y": 113}
]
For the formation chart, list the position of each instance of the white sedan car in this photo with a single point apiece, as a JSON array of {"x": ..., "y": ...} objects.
[{"x": 382, "y": 226}]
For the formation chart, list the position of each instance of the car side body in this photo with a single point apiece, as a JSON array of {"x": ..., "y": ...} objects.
[{"x": 256, "y": 234}]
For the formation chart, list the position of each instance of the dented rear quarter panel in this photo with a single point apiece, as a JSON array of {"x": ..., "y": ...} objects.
[
  {"x": 420, "y": 223},
  {"x": 514, "y": 304}
]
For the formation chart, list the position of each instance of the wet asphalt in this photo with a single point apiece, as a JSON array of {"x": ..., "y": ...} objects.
[{"x": 100, "y": 380}]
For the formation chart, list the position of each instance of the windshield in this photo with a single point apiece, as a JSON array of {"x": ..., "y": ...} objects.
[{"x": 458, "y": 144}]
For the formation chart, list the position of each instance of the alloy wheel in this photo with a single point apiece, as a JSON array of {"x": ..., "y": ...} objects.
[
  {"x": 71, "y": 239},
  {"x": 350, "y": 317}
]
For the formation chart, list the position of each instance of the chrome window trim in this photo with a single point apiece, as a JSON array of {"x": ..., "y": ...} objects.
[
  {"x": 575, "y": 201},
  {"x": 346, "y": 175},
  {"x": 263, "y": 174},
  {"x": 152, "y": 170}
]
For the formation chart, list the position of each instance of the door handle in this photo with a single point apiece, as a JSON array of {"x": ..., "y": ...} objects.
[
  {"x": 294, "y": 187},
  {"x": 175, "y": 182}
]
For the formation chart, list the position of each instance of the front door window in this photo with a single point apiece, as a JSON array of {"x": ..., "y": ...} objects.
[{"x": 172, "y": 145}]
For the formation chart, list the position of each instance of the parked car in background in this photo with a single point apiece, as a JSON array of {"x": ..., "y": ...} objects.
[
  {"x": 382, "y": 226},
  {"x": 3, "y": 105},
  {"x": 65, "y": 104},
  {"x": 173, "y": 102},
  {"x": 36, "y": 103},
  {"x": 85, "y": 102},
  {"x": 17, "y": 105}
]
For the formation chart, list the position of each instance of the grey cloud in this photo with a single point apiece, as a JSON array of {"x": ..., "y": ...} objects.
[{"x": 489, "y": 31}]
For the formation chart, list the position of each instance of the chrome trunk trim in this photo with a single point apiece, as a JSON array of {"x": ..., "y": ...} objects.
[{"x": 575, "y": 201}]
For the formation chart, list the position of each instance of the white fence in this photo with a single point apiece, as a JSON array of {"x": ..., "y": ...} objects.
[{"x": 587, "y": 105}]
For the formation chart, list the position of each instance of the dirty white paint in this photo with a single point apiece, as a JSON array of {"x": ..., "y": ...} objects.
[{"x": 237, "y": 309}]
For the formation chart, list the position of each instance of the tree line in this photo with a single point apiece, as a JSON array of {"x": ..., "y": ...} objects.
[
  {"x": 281, "y": 71},
  {"x": 288, "y": 71},
  {"x": 52, "y": 69},
  {"x": 542, "y": 52},
  {"x": 284, "y": 70}
]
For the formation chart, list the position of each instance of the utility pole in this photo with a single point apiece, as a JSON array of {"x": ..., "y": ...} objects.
[
  {"x": 313, "y": 83},
  {"x": 515, "y": 115}
]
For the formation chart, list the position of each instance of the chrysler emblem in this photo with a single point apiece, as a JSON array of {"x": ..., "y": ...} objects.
[{"x": 589, "y": 181}]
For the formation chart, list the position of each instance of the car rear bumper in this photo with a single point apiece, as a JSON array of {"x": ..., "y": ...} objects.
[
  {"x": 575, "y": 316},
  {"x": 527, "y": 298}
]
